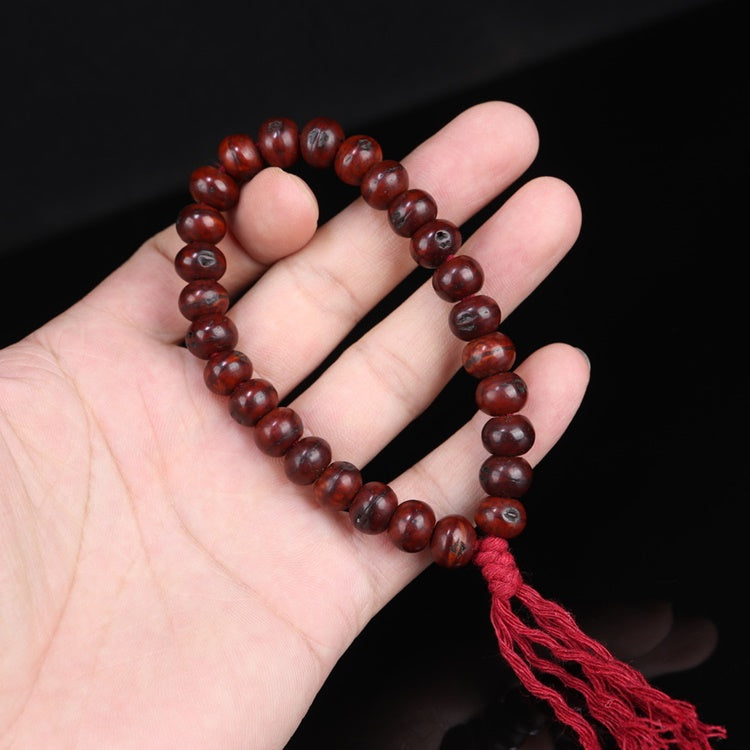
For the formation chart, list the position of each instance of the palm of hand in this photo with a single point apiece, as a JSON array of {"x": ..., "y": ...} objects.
[{"x": 169, "y": 585}]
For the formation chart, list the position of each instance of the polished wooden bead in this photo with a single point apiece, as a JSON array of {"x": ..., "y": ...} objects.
[
  {"x": 355, "y": 156},
  {"x": 382, "y": 182},
  {"x": 509, "y": 435},
  {"x": 320, "y": 140},
  {"x": 489, "y": 354},
  {"x": 202, "y": 298},
  {"x": 198, "y": 222},
  {"x": 210, "y": 334},
  {"x": 474, "y": 316},
  {"x": 500, "y": 516},
  {"x": 434, "y": 242},
  {"x": 456, "y": 278},
  {"x": 453, "y": 541},
  {"x": 199, "y": 260},
  {"x": 214, "y": 187},
  {"x": 505, "y": 476},
  {"x": 372, "y": 507},
  {"x": 411, "y": 525},
  {"x": 337, "y": 485},
  {"x": 411, "y": 210},
  {"x": 251, "y": 400},
  {"x": 224, "y": 371},
  {"x": 278, "y": 431},
  {"x": 278, "y": 142},
  {"x": 305, "y": 460},
  {"x": 502, "y": 393},
  {"x": 240, "y": 157}
]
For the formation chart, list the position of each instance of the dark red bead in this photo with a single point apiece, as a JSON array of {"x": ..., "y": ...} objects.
[
  {"x": 488, "y": 355},
  {"x": 240, "y": 157},
  {"x": 411, "y": 210},
  {"x": 251, "y": 400},
  {"x": 502, "y": 393},
  {"x": 214, "y": 187},
  {"x": 198, "y": 222},
  {"x": 278, "y": 431},
  {"x": 278, "y": 142},
  {"x": 435, "y": 242},
  {"x": 202, "y": 298},
  {"x": 336, "y": 487},
  {"x": 320, "y": 140},
  {"x": 305, "y": 460},
  {"x": 382, "y": 182},
  {"x": 372, "y": 507},
  {"x": 509, "y": 435},
  {"x": 411, "y": 525},
  {"x": 457, "y": 278},
  {"x": 453, "y": 542},
  {"x": 199, "y": 260},
  {"x": 355, "y": 156},
  {"x": 505, "y": 476},
  {"x": 474, "y": 316},
  {"x": 500, "y": 516},
  {"x": 224, "y": 371},
  {"x": 210, "y": 334}
]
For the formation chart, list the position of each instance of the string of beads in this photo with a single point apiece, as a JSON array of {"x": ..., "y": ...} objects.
[{"x": 473, "y": 317}]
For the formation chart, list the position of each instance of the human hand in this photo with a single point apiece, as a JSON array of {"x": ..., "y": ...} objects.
[{"x": 163, "y": 582}]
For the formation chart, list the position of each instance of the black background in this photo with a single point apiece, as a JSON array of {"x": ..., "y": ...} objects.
[{"x": 646, "y": 118}]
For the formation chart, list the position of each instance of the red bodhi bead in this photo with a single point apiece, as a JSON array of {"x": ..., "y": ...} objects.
[
  {"x": 224, "y": 371},
  {"x": 240, "y": 157},
  {"x": 457, "y": 278},
  {"x": 320, "y": 140},
  {"x": 474, "y": 316},
  {"x": 411, "y": 525},
  {"x": 372, "y": 507},
  {"x": 355, "y": 156},
  {"x": 251, "y": 400},
  {"x": 509, "y": 435},
  {"x": 202, "y": 298},
  {"x": 500, "y": 516},
  {"x": 199, "y": 222},
  {"x": 382, "y": 182},
  {"x": 199, "y": 260},
  {"x": 453, "y": 542},
  {"x": 488, "y": 355},
  {"x": 214, "y": 187},
  {"x": 278, "y": 142},
  {"x": 411, "y": 210},
  {"x": 505, "y": 476},
  {"x": 210, "y": 334},
  {"x": 435, "y": 242},
  {"x": 278, "y": 431},
  {"x": 306, "y": 459},
  {"x": 502, "y": 393},
  {"x": 337, "y": 485}
]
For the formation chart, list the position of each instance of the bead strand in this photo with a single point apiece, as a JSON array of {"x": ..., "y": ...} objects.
[{"x": 488, "y": 354}]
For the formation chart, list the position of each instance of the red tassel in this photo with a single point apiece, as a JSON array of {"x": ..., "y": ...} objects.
[{"x": 637, "y": 715}]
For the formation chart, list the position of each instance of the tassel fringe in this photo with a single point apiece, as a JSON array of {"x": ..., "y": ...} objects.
[{"x": 615, "y": 695}]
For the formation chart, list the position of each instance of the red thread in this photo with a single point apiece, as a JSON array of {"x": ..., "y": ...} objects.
[{"x": 616, "y": 696}]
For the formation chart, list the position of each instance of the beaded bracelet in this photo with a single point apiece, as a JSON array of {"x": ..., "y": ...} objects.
[{"x": 552, "y": 658}]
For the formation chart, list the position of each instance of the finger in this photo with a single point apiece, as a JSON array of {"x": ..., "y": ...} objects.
[
  {"x": 312, "y": 299},
  {"x": 404, "y": 362},
  {"x": 276, "y": 215}
]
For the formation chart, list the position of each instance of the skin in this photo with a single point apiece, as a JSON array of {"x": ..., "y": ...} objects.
[{"x": 154, "y": 565}]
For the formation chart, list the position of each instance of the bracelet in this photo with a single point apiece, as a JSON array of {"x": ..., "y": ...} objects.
[{"x": 552, "y": 658}]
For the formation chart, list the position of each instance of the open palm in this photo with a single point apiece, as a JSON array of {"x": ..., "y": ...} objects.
[{"x": 162, "y": 584}]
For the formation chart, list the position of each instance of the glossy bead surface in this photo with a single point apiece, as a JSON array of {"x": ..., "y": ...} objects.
[
  {"x": 336, "y": 487},
  {"x": 382, "y": 182},
  {"x": 210, "y": 334},
  {"x": 453, "y": 542},
  {"x": 278, "y": 142},
  {"x": 474, "y": 316},
  {"x": 505, "y": 476},
  {"x": 214, "y": 187},
  {"x": 435, "y": 242},
  {"x": 411, "y": 525},
  {"x": 278, "y": 431},
  {"x": 251, "y": 400},
  {"x": 489, "y": 354},
  {"x": 198, "y": 222},
  {"x": 509, "y": 435},
  {"x": 372, "y": 507},
  {"x": 224, "y": 371},
  {"x": 411, "y": 210},
  {"x": 240, "y": 157},
  {"x": 457, "y": 278},
  {"x": 320, "y": 140},
  {"x": 502, "y": 393},
  {"x": 500, "y": 516},
  {"x": 306, "y": 459},
  {"x": 202, "y": 298},
  {"x": 199, "y": 260},
  {"x": 355, "y": 156}
]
